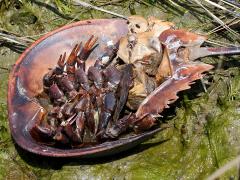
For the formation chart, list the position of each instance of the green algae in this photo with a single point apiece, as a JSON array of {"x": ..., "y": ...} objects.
[{"x": 204, "y": 127}]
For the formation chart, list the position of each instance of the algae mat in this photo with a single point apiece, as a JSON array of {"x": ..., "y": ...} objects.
[{"x": 204, "y": 127}]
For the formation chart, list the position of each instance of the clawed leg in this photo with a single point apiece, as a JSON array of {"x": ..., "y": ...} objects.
[
  {"x": 71, "y": 61},
  {"x": 131, "y": 122},
  {"x": 120, "y": 126},
  {"x": 85, "y": 51},
  {"x": 61, "y": 60},
  {"x": 38, "y": 128}
]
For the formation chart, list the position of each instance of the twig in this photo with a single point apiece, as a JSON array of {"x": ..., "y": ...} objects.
[
  {"x": 219, "y": 43},
  {"x": 231, "y": 3},
  {"x": 223, "y": 8},
  {"x": 219, "y": 28},
  {"x": 4, "y": 68},
  {"x": 224, "y": 168},
  {"x": 110, "y": 2},
  {"x": 14, "y": 41},
  {"x": 12, "y": 38},
  {"x": 217, "y": 19},
  {"x": 90, "y": 6},
  {"x": 7, "y": 32}
]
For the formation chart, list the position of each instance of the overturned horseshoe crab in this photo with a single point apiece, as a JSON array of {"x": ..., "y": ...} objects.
[{"x": 31, "y": 76}]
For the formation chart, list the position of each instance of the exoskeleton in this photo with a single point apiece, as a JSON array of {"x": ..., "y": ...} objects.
[{"x": 88, "y": 105}]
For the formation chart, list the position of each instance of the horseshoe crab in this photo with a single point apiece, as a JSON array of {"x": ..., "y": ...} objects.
[{"x": 30, "y": 76}]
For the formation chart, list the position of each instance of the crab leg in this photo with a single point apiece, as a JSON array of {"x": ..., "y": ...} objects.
[
  {"x": 117, "y": 102},
  {"x": 37, "y": 130},
  {"x": 61, "y": 61},
  {"x": 80, "y": 125},
  {"x": 85, "y": 51},
  {"x": 120, "y": 126},
  {"x": 71, "y": 61},
  {"x": 112, "y": 77},
  {"x": 123, "y": 89},
  {"x": 81, "y": 78},
  {"x": 96, "y": 76}
]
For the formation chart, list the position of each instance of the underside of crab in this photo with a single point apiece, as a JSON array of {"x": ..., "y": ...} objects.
[
  {"x": 84, "y": 106},
  {"x": 105, "y": 93}
]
